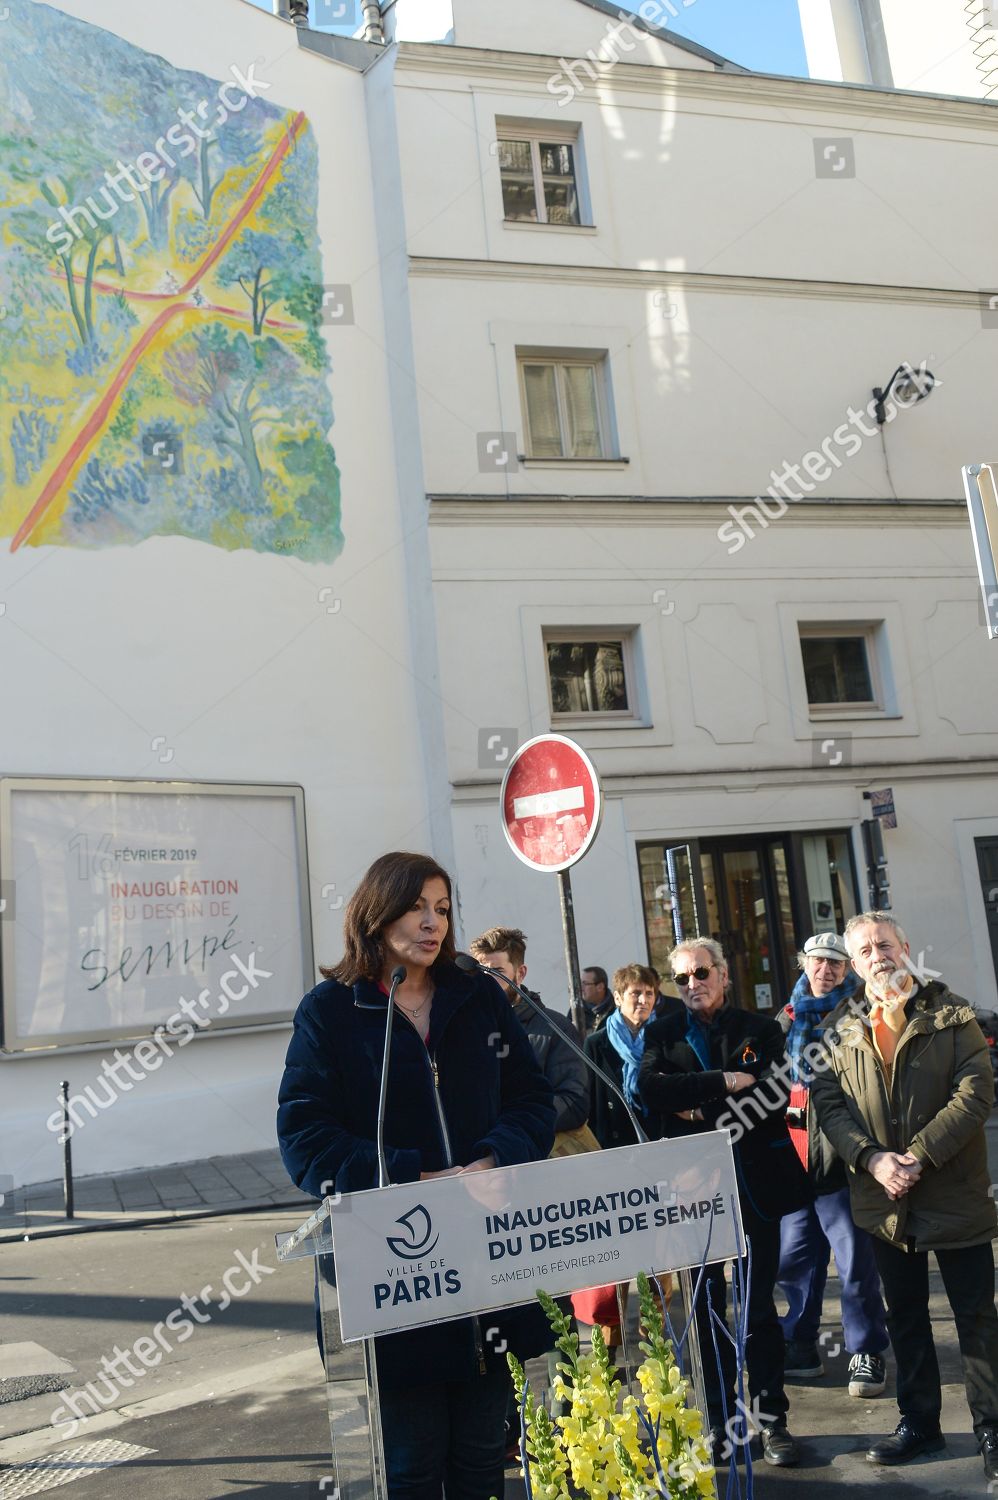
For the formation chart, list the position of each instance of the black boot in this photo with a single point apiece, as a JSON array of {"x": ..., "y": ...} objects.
[
  {"x": 906, "y": 1442},
  {"x": 778, "y": 1447},
  {"x": 989, "y": 1452}
]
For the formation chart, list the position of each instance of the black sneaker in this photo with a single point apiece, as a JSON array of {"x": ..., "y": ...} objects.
[
  {"x": 867, "y": 1375},
  {"x": 802, "y": 1361},
  {"x": 778, "y": 1447},
  {"x": 906, "y": 1442},
  {"x": 989, "y": 1452}
]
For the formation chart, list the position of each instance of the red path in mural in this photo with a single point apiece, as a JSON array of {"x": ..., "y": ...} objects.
[{"x": 98, "y": 417}]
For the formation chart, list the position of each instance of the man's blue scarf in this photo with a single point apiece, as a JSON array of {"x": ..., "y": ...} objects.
[
  {"x": 630, "y": 1049},
  {"x": 698, "y": 1037},
  {"x": 808, "y": 1023}
]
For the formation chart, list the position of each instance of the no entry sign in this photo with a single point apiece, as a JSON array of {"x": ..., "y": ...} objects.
[{"x": 550, "y": 803}]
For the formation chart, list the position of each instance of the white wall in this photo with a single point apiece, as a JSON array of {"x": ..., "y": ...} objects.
[
  {"x": 745, "y": 305},
  {"x": 733, "y": 163},
  {"x": 232, "y": 657}
]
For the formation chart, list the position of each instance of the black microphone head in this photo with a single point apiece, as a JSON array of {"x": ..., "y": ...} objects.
[
  {"x": 466, "y": 962},
  {"x": 398, "y": 974}
]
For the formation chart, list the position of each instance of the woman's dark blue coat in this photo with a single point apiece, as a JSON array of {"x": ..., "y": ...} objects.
[{"x": 494, "y": 1099}]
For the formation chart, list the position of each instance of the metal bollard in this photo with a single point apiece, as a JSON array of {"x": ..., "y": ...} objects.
[{"x": 67, "y": 1152}]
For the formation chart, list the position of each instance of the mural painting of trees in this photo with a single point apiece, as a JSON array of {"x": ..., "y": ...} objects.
[{"x": 162, "y": 369}]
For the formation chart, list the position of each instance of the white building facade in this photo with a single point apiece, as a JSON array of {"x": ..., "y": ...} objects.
[
  {"x": 741, "y": 265},
  {"x": 610, "y": 465}
]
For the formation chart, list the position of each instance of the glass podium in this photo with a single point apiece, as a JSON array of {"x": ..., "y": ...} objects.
[{"x": 350, "y": 1369}]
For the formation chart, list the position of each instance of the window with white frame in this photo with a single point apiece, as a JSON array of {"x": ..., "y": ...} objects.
[
  {"x": 565, "y": 402},
  {"x": 540, "y": 170},
  {"x": 841, "y": 668},
  {"x": 591, "y": 675}
]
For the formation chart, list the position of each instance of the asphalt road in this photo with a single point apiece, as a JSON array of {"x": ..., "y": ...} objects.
[{"x": 237, "y": 1408}]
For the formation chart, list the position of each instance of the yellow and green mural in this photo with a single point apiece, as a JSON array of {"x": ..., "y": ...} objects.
[{"x": 162, "y": 369}]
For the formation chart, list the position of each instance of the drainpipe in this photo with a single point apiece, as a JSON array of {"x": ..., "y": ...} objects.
[
  {"x": 373, "y": 28},
  {"x": 853, "y": 32},
  {"x": 877, "y": 50}
]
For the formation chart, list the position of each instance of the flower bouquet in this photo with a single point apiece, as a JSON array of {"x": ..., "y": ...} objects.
[{"x": 609, "y": 1444}]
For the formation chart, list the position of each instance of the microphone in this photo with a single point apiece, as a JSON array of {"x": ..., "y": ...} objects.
[
  {"x": 468, "y": 964},
  {"x": 397, "y": 976}
]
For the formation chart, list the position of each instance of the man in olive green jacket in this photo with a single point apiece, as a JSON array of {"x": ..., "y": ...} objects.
[{"x": 904, "y": 1101}]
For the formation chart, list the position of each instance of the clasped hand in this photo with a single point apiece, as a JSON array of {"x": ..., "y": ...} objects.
[{"x": 896, "y": 1173}]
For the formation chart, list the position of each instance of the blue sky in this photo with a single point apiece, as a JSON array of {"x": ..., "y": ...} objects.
[
  {"x": 761, "y": 34},
  {"x": 764, "y": 35}
]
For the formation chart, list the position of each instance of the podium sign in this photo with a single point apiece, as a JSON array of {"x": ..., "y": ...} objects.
[{"x": 427, "y": 1252}]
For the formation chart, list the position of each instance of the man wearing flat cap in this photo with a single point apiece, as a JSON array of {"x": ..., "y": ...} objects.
[{"x": 808, "y": 1237}]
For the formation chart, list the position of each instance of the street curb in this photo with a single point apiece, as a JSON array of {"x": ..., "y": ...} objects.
[
  {"x": 103, "y": 1225},
  {"x": 26, "y": 1447}
]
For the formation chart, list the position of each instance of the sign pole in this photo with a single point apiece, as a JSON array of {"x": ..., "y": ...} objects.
[{"x": 572, "y": 952}]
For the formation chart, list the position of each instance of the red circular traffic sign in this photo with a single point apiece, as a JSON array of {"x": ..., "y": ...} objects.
[{"x": 550, "y": 803}]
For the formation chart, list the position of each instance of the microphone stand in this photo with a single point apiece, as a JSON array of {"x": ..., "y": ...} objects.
[{"x": 398, "y": 974}]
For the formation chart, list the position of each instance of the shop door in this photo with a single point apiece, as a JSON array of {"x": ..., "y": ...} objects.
[
  {"x": 753, "y": 915},
  {"x": 760, "y": 896}
]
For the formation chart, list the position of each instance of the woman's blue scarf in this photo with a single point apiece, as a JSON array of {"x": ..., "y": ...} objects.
[
  {"x": 807, "y": 1025},
  {"x": 630, "y": 1049}
]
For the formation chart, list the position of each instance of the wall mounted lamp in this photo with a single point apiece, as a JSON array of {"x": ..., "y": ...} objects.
[{"x": 908, "y": 386}]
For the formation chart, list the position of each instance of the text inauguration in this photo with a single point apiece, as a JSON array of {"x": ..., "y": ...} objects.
[{"x": 585, "y": 1219}]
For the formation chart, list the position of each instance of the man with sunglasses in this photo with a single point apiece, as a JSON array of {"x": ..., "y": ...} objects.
[{"x": 693, "y": 1064}]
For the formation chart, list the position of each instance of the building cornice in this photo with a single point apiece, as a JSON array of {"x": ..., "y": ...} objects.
[
  {"x": 498, "y": 69},
  {"x": 710, "y": 510},
  {"x": 783, "y": 287},
  {"x": 742, "y": 780}
]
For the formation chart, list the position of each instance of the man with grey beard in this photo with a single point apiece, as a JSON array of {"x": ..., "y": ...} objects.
[{"x": 904, "y": 1102}]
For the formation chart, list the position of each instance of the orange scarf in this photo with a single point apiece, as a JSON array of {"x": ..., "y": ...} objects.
[{"x": 888, "y": 996}]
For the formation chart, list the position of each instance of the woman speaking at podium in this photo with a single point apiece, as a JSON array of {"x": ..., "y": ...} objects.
[{"x": 464, "y": 1094}]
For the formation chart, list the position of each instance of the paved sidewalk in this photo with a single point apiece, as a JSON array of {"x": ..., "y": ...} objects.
[{"x": 188, "y": 1190}]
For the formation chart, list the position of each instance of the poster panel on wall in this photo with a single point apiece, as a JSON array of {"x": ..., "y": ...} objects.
[{"x": 134, "y": 905}]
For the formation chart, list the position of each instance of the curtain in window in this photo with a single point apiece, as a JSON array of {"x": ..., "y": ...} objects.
[
  {"x": 583, "y": 411},
  {"x": 542, "y": 411}
]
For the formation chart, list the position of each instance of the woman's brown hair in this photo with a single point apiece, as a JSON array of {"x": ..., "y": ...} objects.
[{"x": 389, "y": 889}]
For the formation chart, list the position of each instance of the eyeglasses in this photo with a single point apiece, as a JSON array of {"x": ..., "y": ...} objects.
[{"x": 683, "y": 979}]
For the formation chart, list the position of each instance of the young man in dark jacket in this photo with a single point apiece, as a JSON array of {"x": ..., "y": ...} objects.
[
  {"x": 504, "y": 950},
  {"x": 809, "y": 1236},
  {"x": 904, "y": 1100},
  {"x": 694, "y": 1065}
]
